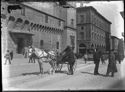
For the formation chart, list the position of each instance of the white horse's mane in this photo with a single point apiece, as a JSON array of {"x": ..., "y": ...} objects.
[{"x": 42, "y": 53}]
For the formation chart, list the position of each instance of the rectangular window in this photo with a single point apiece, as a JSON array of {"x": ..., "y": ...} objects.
[
  {"x": 82, "y": 18},
  {"x": 82, "y": 28},
  {"x": 72, "y": 21},
  {"x": 59, "y": 23},
  {"x": 41, "y": 44},
  {"x": 72, "y": 39},
  {"x": 57, "y": 45},
  {"x": 82, "y": 35},
  {"x": 46, "y": 18}
]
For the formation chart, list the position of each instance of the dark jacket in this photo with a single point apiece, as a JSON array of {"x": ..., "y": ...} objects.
[
  {"x": 112, "y": 63},
  {"x": 96, "y": 57},
  {"x": 69, "y": 56},
  {"x": 11, "y": 55}
]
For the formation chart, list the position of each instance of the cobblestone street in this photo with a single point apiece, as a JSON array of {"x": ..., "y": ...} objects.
[{"x": 25, "y": 76}]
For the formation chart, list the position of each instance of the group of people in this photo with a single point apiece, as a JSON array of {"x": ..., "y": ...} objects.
[
  {"x": 112, "y": 68},
  {"x": 26, "y": 52},
  {"x": 86, "y": 58}
]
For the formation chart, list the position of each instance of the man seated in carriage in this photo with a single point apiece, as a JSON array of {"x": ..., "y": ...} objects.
[{"x": 68, "y": 56}]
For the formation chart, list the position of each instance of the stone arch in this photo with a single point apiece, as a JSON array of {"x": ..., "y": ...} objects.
[
  {"x": 31, "y": 26},
  {"x": 19, "y": 20},
  {"x": 82, "y": 45},
  {"x": 26, "y": 22},
  {"x": 35, "y": 26},
  {"x": 3, "y": 16},
  {"x": 40, "y": 27},
  {"x": 92, "y": 46},
  {"x": 11, "y": 18}
]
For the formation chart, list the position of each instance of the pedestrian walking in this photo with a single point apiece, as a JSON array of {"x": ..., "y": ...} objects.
[
  {"x": 112, "y": 64},
  {"x": 85, "y": 57},
  {"x": 11, "y": 55},
  {"x": 7, "y": 57},
  {"x": 103, "y": 59},
  {"x": 33, "y": 55},
  {"x": 96, "y": 57},
  {"x": 25, "y": 52},
  {"x": 30, "y": 51}
]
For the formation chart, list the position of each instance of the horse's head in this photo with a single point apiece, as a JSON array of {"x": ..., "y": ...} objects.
[{"x": 51, "y": 52}]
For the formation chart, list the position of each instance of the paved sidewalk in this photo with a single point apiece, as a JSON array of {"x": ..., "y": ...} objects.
[{"x": 17, "y": 61}]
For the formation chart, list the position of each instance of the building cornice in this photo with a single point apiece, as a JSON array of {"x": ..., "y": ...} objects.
[
  {"x": 70, "y": 28},
  {"x": 40, "y": 11},
  {"x": 92, "y": 8}
]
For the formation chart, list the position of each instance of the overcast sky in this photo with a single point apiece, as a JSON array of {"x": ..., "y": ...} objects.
[{"x": 111, "y": 11}]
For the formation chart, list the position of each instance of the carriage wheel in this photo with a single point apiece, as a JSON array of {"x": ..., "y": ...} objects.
[{"x": 74, "y": 66}]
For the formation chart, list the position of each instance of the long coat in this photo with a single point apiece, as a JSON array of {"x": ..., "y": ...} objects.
[
  {"x": 96, "y": 57},
  {"x": 112, "y": 63},
  {"x": 69, "y": 56}
]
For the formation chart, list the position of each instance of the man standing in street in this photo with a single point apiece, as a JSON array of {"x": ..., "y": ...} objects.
[
  {"x": 7, "y": 57},
  {"x": 96, "y": 57},
  {"x": 30, "y": 51},
  {"x": 112, "y": 64},
  {"x": 85, "y": 57}
]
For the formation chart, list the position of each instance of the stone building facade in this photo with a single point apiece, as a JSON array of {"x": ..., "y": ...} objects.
[
  {"x": 70, "y": 29},
  {"x": 42, "y": 27},
  {"x": 29, "y": 26},
  {"x": 93, "y": 30},
  {"x": 114, "y": 43},
  {"x": 66, "y": 14}
]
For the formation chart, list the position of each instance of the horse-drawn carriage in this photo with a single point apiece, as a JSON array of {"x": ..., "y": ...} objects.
[
  {"x": 56, "y": 61},
  {"x": 61, "y": 60}
]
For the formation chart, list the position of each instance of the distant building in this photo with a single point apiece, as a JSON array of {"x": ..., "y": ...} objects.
[
  {"x": 114, "y": 43},
  {"x": 122, "y": 14},
  {"x": 93, "y": 30},
  {"x": 26, "y": 26},
  {"x": 69, "y": 35}
]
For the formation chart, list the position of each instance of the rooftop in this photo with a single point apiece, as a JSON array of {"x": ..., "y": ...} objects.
[
  {"x": 92, "y": 8},
  {"x": 114, "y": 37}
]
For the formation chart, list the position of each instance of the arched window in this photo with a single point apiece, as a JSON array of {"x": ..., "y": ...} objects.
[
  {"x": 11, "y": 18},
  {"x": 82, "y": 45}
]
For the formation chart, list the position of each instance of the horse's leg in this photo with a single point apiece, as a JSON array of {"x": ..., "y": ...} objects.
[
  {"x": 51, "y": 64},
  {"x": 29, "y": 59},
  {"x": 61, "y": 67},
  {"x": 54, "y": 66},
  {"x": 40, "y": 66}
]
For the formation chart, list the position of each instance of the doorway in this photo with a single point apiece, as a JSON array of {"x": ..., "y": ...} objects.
[
  {"x": 82, "y": 49},
  {"x": 20, "y": 45}
]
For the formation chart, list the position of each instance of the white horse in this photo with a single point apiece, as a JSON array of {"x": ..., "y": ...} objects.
[{"x": 45, "y": 57}]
